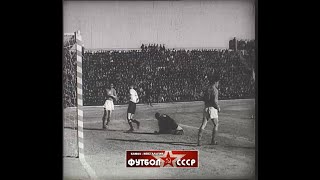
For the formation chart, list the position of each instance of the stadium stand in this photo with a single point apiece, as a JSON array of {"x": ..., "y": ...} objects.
[{"x": 168, "y": 75}]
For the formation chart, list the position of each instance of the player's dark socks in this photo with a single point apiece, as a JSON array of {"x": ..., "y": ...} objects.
[
  {"x": 137, "y": 122},
  {"x": 103, "y": 123},
  {"x": 131, "y": 126},
  {"x": 104, "y": 119}
]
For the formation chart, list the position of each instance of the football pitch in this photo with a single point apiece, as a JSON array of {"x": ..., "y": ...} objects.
[{"x": 233, "y": 157}]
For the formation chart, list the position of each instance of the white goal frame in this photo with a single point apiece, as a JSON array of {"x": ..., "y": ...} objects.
[{"x": 79, "y": 104}]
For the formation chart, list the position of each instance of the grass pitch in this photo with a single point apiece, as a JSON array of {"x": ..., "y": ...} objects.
[{"x": 233, "y": 157}]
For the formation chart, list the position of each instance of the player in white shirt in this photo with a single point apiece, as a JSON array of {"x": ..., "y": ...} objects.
[
  {"x": 109, "y": 105},
  {"x": 134, "y": 99}
]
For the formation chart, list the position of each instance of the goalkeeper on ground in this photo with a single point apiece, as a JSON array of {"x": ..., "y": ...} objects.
[{"x": 167, "y": 125}]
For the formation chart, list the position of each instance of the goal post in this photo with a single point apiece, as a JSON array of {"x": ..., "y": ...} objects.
[
  {"x": 72, "y": 95},
  {"x": 79, "y": 93}
]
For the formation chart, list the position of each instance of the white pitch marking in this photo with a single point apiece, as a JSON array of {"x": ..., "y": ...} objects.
[
  {"x": 81, "y": 155},
  {"x": 68, "y": 34},
  {"x": 87, "y": 167}
]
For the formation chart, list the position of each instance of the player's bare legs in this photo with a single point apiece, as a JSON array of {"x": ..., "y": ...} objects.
[
  {"x": 214, "y": 131},
  {"x": 203, "y": 125},
  {"x": 108, "y": 117}
]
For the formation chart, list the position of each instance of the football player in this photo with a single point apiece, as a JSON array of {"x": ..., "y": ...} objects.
[
  {"x": 134, "y": 99},
  {"x": 108, "y": 105},
  {"x": 211, "y": 109},
  {"x": 167, "y": 125}
]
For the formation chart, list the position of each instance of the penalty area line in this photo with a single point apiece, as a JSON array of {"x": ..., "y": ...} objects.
[{"x": 88, "y": 168}]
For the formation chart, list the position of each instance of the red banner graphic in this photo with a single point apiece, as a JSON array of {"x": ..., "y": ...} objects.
[{"x": 163, "y": 158}]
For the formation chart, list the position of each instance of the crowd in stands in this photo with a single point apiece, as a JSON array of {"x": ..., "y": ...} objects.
[
  {"x": 165, "y": 75},
  {"x": 247, "y": 45},
  {"x": 69, "y": 78}
]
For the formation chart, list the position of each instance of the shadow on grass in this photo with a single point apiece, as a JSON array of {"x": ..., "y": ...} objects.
[
  {"x": 154, "y": 142},
  {"x": 141, "y": 133}
]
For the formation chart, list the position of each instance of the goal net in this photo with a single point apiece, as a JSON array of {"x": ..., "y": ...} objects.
[{"x": 70, "y": 140}]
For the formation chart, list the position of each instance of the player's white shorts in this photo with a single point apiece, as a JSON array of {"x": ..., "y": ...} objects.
[
  {"x": 179, "y": 128},
  {"x": 210, "y": 113},
  {"x": 108, "y": 105}
]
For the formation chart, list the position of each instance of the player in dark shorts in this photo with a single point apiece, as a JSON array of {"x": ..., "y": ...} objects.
[
  {"x": 167, "y": 125},
  {"x": 132, "y": 108}
]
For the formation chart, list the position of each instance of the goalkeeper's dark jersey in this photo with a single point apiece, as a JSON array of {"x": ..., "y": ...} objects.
[
  {"x": 211, "y": 97},
  {"x": 166, "y": 124}
]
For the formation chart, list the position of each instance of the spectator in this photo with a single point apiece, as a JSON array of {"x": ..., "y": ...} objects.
[{"x": 167, "y": 70}]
